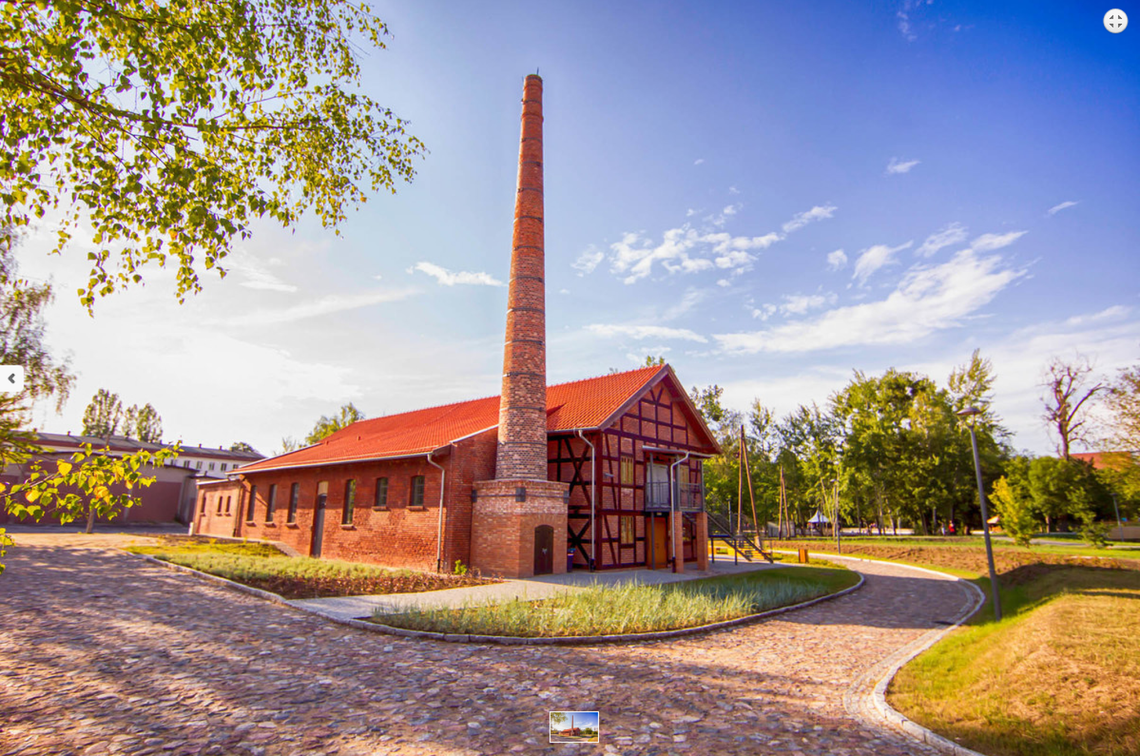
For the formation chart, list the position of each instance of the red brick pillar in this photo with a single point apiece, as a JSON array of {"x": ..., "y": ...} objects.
[
  {"x": 522, "y": 408},
  {"x": 512, "y": 511},
  {"x": 702, "y": 544}
]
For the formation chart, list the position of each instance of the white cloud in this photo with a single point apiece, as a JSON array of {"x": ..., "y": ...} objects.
[
  {"x": 563, "y": 291},
  {"x": 1058, "y": 208},
  {"x": 680, "y": 251},
  {"x": 645, "y": 332},
  {"x": 724, "y": 282},
  {"x": 799, "y": 304},
  {"x": 990, "y": 242},
  {"x": 900, "y": 166},
  {"x": 873, "y": 258},
  {"x": 794, "y": 304},
  {"x": 698, "y": 161},
  {"x": 590, "y": 258},
  {"x": 733, "y": 190},
  {"x": 257, "y": 274},
  {"x": 316, "y": 308},
  {"x": 953, "y": 233},
  {"x": 763, "y": 312},
  {"x": 837, "y": 260},
  {"x": 446, "y": 278},
  {"x": 689, "y": 250},
  {"x": 799, "y": 220},
  {"x": 1111, "y": 313},
  {"x": 928, "y": 299},
  {"x": 691, "y": 299}
]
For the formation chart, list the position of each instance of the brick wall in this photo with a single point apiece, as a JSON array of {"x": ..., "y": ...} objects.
[
  {"x": 503, "y": 528},
  {"x": 397, "y": 534}
]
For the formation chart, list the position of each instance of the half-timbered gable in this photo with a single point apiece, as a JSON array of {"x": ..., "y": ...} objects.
[{"x": 630, "y": 472}]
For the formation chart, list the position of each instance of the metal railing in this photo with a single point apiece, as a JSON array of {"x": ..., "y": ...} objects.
[
  {"x": 742, "y": 544},
  {"x": 689, "y": 497}
]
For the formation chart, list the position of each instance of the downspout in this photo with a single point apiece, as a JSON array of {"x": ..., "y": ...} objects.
[
  {"x": 673, "y": 503},
  {"x": 593, "y": 500},
  {"x": 439, "y": 524}
]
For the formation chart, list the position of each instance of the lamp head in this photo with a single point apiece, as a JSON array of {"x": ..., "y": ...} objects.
[{"x": 968, "y": 412}]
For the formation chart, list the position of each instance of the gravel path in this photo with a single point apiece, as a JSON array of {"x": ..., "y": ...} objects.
[{"x": 102, "y": 653}]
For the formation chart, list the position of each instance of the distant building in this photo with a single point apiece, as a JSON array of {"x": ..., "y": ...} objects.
[
  {"x": 169, "y": 499},
  {"x": 1108, "y": 460}
]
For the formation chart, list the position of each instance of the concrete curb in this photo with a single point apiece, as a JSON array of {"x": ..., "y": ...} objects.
[
  {"x": 860, "y": 703},
  {"x": 581, "y": 640}
]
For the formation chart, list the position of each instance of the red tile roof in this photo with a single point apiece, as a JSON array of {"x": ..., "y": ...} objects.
[
  {"x": 584, "y": 404},
  {"x": 1106, "y": 460}
]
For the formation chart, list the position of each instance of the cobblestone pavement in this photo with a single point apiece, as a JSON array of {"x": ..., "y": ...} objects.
[{"x": 103, "y": 653}]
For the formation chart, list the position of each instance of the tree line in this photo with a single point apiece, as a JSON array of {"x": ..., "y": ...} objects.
[{"x": 890, "y": 451}]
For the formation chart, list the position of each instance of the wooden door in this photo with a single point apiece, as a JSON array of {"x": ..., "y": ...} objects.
[
  {"x": 660, "y": 550},
  {"x": 318, "y": 525},
  {"x": 543, "y": 550}
]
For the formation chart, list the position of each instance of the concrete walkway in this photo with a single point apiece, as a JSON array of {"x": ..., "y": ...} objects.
[{"x": 530, "y": 589}]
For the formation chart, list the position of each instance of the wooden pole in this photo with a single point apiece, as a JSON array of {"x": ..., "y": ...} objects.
[
  {"x": 783, "y": 504},
  {"x": 751, "y": 497},
  {"x": 739, "y": 485}
]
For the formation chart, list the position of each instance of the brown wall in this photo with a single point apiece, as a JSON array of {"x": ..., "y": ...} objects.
[{"x": 158, "y": 502}]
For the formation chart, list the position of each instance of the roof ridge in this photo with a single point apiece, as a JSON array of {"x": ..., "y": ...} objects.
[{"x": 497, "y": 396}]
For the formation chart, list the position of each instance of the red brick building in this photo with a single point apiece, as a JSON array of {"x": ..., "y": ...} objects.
[
  {"x": 403, "y": 490},
  {"x": 609, "y": 467}
]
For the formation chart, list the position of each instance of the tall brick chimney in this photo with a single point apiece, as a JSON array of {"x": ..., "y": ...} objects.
[
  {"x": 521, "y": 452},
  {"x": 519, "y": 519}
]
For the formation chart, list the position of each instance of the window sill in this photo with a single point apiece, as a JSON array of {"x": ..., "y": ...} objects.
[
  {"x": 269, "y": 524},
  {"x": 347, "y": 527},
  {"x": 417, "y": 509},
  {"x": 379, "y": 509},
  {"x": 292, "y": 525}
]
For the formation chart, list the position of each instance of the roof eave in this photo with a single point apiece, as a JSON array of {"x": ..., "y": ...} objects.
[{"x": 352, "y": 461}]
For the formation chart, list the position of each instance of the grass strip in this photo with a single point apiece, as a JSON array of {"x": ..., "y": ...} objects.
[
  {"x": 1059, "y": 676},
  {"x": 632, "y": 608}
]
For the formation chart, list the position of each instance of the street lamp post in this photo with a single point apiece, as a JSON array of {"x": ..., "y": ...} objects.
[
  {"x": 972, "y": 412},
  {"x": 838, "y": 542}
]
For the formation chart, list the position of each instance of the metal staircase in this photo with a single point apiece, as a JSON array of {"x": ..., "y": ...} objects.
[{"x": 741, "y": 545}]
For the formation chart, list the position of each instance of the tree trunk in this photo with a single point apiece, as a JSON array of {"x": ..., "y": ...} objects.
[{"x": 91, "y": 520}]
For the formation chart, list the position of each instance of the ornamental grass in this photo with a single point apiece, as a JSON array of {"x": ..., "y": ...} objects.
[
  {"x": 629, "y": 608},
  {"x": 263, "y": 566}
]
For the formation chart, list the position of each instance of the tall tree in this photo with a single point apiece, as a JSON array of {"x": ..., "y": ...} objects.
[
  {"x": 22, "y": 329},
  {"x": 242, "y": 446},
  {"x": 143, "y": 423},
  {"x": 103, "y": 415},
  {"x": 185, "y": 121},
  {"x": 1013, "y": 501},
  {"x": 327, "y": 426},
  {"x": 1067, "y": 390},
  {"x": 1123, "y": 403}
]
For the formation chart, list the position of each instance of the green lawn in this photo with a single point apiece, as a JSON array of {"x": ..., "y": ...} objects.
[
  {"x": 634, "y": 608},
  {"x": 1059, "y": 676}
]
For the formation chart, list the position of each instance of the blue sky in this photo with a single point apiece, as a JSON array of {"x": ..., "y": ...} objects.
[{"x": 769, "y": 195}]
